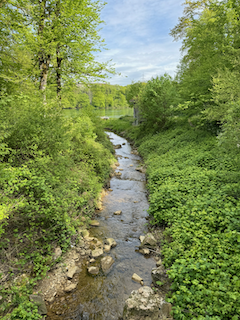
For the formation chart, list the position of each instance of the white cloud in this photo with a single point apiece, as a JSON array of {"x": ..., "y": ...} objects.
[{"x": 137, "y": 35}]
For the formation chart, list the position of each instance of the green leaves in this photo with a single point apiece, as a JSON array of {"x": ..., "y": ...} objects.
[{"x": 195, "y": 193}]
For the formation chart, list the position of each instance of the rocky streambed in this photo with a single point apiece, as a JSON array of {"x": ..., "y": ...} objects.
[{"x": 116, "y": 262}]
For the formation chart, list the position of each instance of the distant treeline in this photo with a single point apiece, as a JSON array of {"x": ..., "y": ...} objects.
[{"x": 100, "y": 95}]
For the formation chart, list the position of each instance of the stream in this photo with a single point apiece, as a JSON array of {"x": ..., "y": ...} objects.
[{"x": 102, "y": 297}]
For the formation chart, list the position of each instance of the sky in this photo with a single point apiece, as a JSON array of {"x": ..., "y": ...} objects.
[{"x": 137, "y": 37}]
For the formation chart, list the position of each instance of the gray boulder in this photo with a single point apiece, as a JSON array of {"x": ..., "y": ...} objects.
[
  {"x": 143, "y": 304},
  {"x": 106, "y": 263},
  {"x": 149, "y": 241}
]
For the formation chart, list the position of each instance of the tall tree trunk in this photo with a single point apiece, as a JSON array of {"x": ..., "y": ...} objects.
[
  {"x": 43, "y": 58},
  {"x": 58, "y": 71},
  {"x": 44, "y": 67},
  {"x": 58, "y": 54}
]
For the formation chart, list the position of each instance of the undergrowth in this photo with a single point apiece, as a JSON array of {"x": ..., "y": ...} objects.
[
  {"x": 194, "y": 187},
  {"x": 52, "y": 169}
]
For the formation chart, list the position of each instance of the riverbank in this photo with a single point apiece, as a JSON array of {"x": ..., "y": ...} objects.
[
  {"x": 194, "y": 189},
  {"x": 51, "y": 179},
  {"x": 123, "y": 218}
]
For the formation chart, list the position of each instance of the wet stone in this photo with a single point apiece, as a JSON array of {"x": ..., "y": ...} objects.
[
  {"x": 93, "y": 270},
  {"x": 94, "y": 223},
  {"x": 97, "y": 253},
  {"x": 106, "y": 263},
  {"x": 70, "y": 286},
  {"x": 137, "y": 278},
  {"x": 111, "y": 242},
  {"x": 118, "y": 212}
]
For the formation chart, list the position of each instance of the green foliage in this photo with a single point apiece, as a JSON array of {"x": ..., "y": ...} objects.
[
  {"x": 133, "y": 91},
  {"x": 52, "y": 170},
  {"x": 156, "y": 100},
  {"x": 195, "y": 193}
]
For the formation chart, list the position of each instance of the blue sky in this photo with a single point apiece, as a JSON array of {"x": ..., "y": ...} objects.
[{"x": 137, "y": 36}]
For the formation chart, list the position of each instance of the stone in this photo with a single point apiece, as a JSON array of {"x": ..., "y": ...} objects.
[
  {"x": 93, "y": 270},
  {"x": 159, "y": 263},
  {"x": 110, "y": 189},
  {"x": 92, "y": 260},
  {"x": 42, "y": 309},
  {"x": 94, "y": 223},
  {"x": 141, "y": 238},
  {"x": 70, "y": 286},
  {"x": 149, "y": 240},
  {"x": 118, "y": 174},
  {"x": 75, "y": 256},
  {"x": 97, "y": 253},
  {"x": 140, "y": 169},
  {"x": 85, "y": 233},
  {"x": 57, "y": 253},
  {"x": 72, "y": 270},
  {"x": 159, "y": 274},
  {"x": 89, "y": 239},
  {"x": 131, "y": 165},
  {"x": 120, "y": 169},
  {"x": 143, "y": 304},
  {"x": 82, "y": 252},
  {"x": 107, "y": 248},
  {"x": 165, "y": 311},
  {"x": 88, "y": 252},
  {"x": 144, "y": 251},
  {"x": 106, "y": 263},
  {"x": 136, "y": 278},
  {"x": 118, "y": 212},
  {"x": 117, "y": 146},
  {"x": 111, "y": 242}
]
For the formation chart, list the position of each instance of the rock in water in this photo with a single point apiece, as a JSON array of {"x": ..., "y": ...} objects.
[
  {"x": 107, "y": 248},
  {"x": 144, "y": 251},
  {"x": 136, "y": 278},
  {"x": 142, "y": 304},
  {"x": 118, "y": 212},
  {"x": 70, "y": 286},
  {"x": 93, "y": 270},
  {"x": 117, "y": 146},
  {"x": 97, "y": 253},
  {"x": 106, "y": 263},
  {"x": 149, "y": 240},
  {"x": 94, "y": 223},
  {"x": 111, "y": 242}
]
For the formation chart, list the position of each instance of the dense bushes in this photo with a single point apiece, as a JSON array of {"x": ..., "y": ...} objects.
[
  {"x": 51, "y": 172},
  {"x": 194, "y": 192}
]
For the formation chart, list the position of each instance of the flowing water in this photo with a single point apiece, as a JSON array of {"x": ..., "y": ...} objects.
[{"x": 102, "y": 297}]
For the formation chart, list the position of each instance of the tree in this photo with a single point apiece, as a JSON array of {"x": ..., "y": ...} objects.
[{"x": 156, "y": 99}]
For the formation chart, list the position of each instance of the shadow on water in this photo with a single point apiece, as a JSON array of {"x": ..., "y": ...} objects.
[{"x": 102, "y": 297}]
